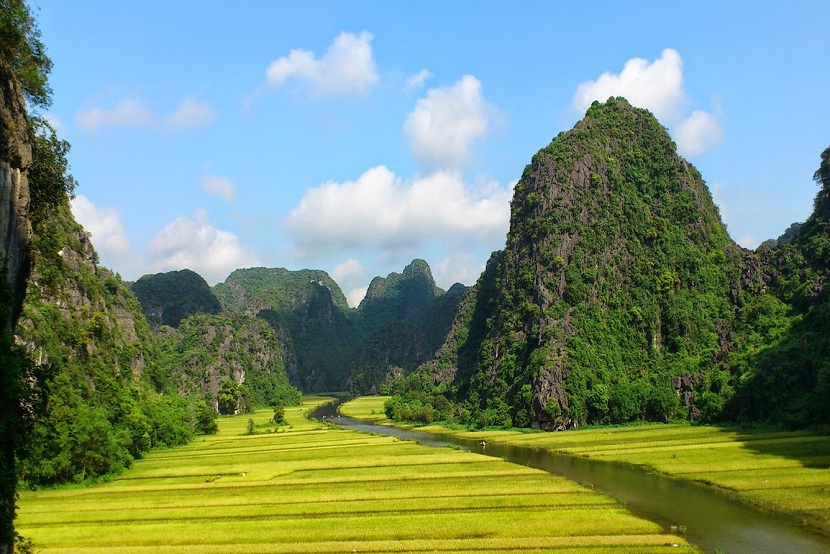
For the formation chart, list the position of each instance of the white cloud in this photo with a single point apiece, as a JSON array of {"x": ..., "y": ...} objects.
[
  {"x": 697, "y": 134},
  {"x": 719, "y": 197},
  {"x": 380, "y": 210},
  {"x": 749, "y": 242},
  {"x": 417, "y": 80},
  {"x": 193, "y": 243},
  {"x": 130, "y": 112},
  {"x": 658, "y": 87},
  {"x": 219, "y": 186},
  {"x": 190, "y": 113},
  {"x": 349, "y": 275},
  {"x": 348, "y": 270},
  {"x": 127, "y": 113},
  {"x": 355, "y": 296},
  {"x": 446, "y": 122},
  {"x": 460, "y": 267},
  {"x": 56, "y": 123},
  {"x": 347, "y": 67},
  {"x": 108, "y": 235}
]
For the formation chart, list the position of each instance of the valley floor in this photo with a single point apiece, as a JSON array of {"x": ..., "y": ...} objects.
[
  {"x": 312, "y": 487},
  {"x": 782, "y": 471}
]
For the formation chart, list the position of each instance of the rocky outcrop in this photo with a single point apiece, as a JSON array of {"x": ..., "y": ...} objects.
[
  {"x": 15, "y": 158},
  {"x": 612, "y": 293}
]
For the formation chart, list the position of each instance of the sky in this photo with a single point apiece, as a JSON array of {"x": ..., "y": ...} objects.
[{"x": 354, "y": 137}]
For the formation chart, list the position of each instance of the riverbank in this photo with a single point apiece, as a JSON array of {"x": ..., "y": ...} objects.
[
  {"x": 313, "y": 487},
  {"x": 781, "y": 471}
]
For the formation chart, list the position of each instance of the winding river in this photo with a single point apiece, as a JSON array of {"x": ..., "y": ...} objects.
[{"x": 711, "y": 519}]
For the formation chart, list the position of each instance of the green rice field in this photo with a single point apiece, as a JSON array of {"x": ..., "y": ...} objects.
[
  {"x": 778, "y": 470},
  {"x": 311, "y": 487}
]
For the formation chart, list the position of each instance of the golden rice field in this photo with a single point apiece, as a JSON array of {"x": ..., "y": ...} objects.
[
  {"x": 318, "y": 488},
  {"x": 778, "y": 470}
]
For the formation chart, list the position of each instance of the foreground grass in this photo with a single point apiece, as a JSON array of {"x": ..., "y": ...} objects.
[
  {"x": 781, "y": 471},
  {"x": 315, "y": 488}
]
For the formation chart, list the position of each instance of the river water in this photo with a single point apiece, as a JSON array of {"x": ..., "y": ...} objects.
[{"x": 712, "y": 520}]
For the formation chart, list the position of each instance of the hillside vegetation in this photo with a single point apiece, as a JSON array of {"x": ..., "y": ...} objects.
[{"x": 619, "y": 297}]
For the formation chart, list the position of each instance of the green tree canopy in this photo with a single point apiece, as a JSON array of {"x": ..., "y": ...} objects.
[{"x": 21, "y": 47}]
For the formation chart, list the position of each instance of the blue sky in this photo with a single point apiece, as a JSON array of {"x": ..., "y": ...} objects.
[{"x": 356, "y": 136}]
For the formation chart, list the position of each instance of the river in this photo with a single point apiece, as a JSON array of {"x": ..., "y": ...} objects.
[{"x": 712, "y": 521}]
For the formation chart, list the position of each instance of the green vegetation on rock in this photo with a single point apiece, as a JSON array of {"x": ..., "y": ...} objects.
[
  {"x": 329, "y": 346},
  {"x": 236, "y": 361},
  {"x": 620, "y": 297},
  {"x": 168, "y": 298}
]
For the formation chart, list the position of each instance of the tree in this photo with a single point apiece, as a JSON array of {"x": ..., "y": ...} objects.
[
  {"x": 228, "y": 397},
  {"x": 50, "y": 184},
  {"x": 251, "y": 429},
  {"x": 279, "y": 415},
  {"x": 22, "y": 49}
]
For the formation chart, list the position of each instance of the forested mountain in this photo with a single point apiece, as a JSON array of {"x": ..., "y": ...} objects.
[
  {"x": 168, "y": 298},
  {"x": 309, "y": 311},
  {"x": 408, "y": 318},
  {"x": 620, "y": 296},
  {"x": 107, "y": 388},
  {"x": 95, "y": 355},
  {"x": 235, "y": 361},
  {"x": 789, "y": 377},
  {"x": 329, "y": 346}
]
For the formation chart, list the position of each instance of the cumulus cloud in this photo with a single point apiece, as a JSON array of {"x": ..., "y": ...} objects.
[
  {"x": 460, "y": 267},
  {"x": 190, "y": 113},
  {"x": 697, "y": 133},
  {"x": 658, "y": 87},
  {"x": 417, "y": 80},
  {"x": 350, "y": 275},
  {"x": 749, "y": 242},
  {"x": 130, "y": 112},
  {"x": 380, "y": 210},
  {"x": 347, "y": 67},
  {"x": 446, "y": 123},
  {"x": 127, "y": 113},
  {"x": 55, "y": 122},
  {"x": 219, "y": 186},
  {"x": 193, "y": 243},
  {"x": 108, "y": 235}
]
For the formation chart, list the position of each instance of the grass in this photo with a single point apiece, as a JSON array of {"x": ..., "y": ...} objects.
[
  {"x": 367, "y": 408},
  {"x": 784, "y": 471},
  {"x": 310, "y": 487}
]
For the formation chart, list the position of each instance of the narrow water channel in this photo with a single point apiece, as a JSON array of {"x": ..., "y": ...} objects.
[{"x": 712, "y": 521}]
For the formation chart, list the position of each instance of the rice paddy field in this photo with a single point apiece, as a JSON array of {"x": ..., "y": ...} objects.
[
  {"x": 777, "y": 470},
  {"x": 311, "y": 487}
]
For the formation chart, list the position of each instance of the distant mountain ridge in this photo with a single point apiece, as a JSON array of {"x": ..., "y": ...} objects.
[
  {"x": 327, "y": 345},
  {"x": 168, "y": 298}
]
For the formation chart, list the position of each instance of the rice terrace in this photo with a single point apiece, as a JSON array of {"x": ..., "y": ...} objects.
[{"x": 311, "y": 487}]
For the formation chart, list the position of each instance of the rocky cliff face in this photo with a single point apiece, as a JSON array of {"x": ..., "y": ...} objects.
[
  {"x": 15, "y": 158},
  {"x": 308, "y": 310},
  {"x": 616, "y": 285},
  {"x": 207, "y": 351},
  {"x": 15, "y": 265},
  {"x": 77, "y": 313}
]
